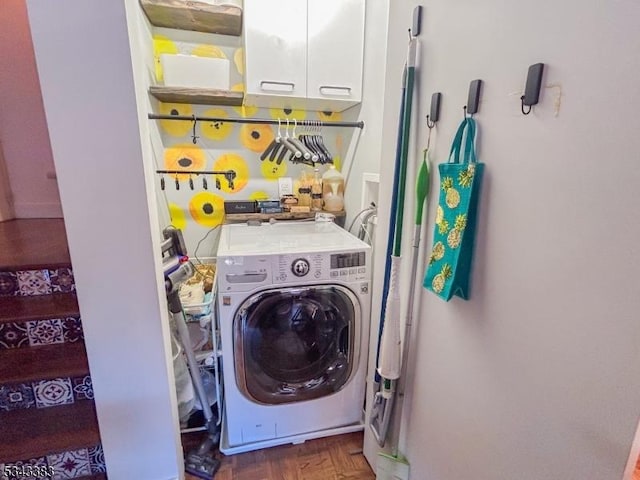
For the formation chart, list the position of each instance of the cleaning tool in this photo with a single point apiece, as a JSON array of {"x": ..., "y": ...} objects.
[
  {"x": 378, "y": 402},
  {"x": 177, "y": 269},
  {"x": 388, "y": 361},
  {"x": 394, "y": 466}
]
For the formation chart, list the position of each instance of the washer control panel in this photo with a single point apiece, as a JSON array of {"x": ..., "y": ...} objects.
[
  {"x": 300, "y": 267},
  {"x": 345, "y": 267}
]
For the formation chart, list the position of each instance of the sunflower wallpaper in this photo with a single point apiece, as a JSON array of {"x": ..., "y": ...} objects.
[{"x": 195, "y": 203}]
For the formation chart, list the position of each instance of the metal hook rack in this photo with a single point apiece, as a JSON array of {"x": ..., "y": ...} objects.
[
  {"x": 259, "y": 121},
  {"x": 229, "y": 175}
]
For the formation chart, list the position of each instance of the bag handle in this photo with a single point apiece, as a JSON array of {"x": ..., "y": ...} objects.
[
  {"x": 454, "y": 154},
  {"x": 470, "y": 148},
  {"x": 468, "y": 127}
]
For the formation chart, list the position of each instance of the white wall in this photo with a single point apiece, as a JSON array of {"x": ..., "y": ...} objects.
[
  {"x": 536, "y": 377},
  {"x": 23, "y": 127},
  {"x": 364, "y": 153},
  {"x": 85, "y": 65}
]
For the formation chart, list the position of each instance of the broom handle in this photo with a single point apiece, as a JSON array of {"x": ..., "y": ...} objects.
[{"x": 392, "y": 218}]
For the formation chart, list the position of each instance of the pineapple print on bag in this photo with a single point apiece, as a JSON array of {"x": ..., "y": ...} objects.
[
  {"x": 461, "y": 222},
  {"x": 465, "y": 178},
  {"x": 454, "y": 238},
  {"x": 440, "y": 279},
  {"x": 437, "y": 253},
  {"x": 443, "y": 227},
  {"x": 452, "y": 197},
  {"x": 439, "y": 215},
  {"x": 455, "y": 235}
]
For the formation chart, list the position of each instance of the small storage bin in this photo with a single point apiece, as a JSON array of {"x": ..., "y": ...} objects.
[{"x": 191, "y": 71}]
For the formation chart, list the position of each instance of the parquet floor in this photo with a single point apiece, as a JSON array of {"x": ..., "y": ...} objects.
[{"x": 331, "y": 458}]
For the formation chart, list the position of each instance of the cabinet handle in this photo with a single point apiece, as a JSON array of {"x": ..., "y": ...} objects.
[
  {"x": 334, "y": 90},
  {"x": 277, "y": 86}
]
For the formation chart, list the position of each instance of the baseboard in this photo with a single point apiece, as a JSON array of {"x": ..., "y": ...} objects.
[{"x": 37, "y": 210}]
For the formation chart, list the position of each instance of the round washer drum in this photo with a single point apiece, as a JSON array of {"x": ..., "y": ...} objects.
[{"x": 295, "y": 344}]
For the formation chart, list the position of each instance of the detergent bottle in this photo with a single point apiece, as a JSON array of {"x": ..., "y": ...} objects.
[{"x": 333, "y": 190}]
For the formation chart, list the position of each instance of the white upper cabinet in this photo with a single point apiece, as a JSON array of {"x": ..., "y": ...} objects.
[
  {"x": 335, "y": 51},
  {"x": 275, "y": 50},
  {"x": 304, "y": 54}
]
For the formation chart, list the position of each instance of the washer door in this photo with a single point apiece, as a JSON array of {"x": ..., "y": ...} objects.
[{"x": 296, "y": 344}]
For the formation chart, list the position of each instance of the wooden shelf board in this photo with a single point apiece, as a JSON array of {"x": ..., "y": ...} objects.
[
  {"x": 195, "y": 16},
  {"x": 243, "y": 217},
  {"x": 198, "y": 96}
]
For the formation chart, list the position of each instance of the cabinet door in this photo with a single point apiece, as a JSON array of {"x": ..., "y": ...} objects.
[
  {"x": 276, "y": 49},
  {"x": 335, "y": 51}
]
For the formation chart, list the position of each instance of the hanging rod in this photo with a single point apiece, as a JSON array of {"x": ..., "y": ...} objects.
[
  {"x": 231, "y": 173},
  {"x": 263, "y": 121}
]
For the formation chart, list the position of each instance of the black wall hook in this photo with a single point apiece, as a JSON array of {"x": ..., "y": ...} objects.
[
  {"x": 434, "y": 112},
  {"x": 532, "y": 88},
  {"x": 473, "y": 100},
  {"x": 194, "y": 138}
]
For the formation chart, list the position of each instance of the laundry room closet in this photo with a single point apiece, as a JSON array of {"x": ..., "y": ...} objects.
[{"x": 254, "y": 122}]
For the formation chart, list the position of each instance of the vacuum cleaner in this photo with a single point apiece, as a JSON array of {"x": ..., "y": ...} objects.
[{"x": 177, "y": 269}]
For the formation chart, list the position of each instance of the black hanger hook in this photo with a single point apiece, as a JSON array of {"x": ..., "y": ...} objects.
[
  {"x": 430, "y": 124},
  {"x": 522, "y": 106},
  {"x": 194, "y": 138}
]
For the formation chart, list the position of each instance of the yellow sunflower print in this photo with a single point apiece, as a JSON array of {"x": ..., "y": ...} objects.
[
  {"x": 259, "y": 195},
  {"x": 284, "y": 113},
  {"x": 216, "y": 130},
  {"x": 207, "y": 209},
  {"x": 178, "y": 218},
  {"x": 256, "y": 137},
  {"x": 328, "y": 116},
  {"x": 176, "y": 128},
  {"x": 162, "y": 44},
  {"x": 210, "y": 51},
  {"x": 272, "y": 171},
  {"x": 184, "y": 156},
  {"x": 232, "y": 161}
]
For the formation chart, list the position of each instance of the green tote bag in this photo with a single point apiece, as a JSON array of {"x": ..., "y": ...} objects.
[{"x": 449, "y": 269}]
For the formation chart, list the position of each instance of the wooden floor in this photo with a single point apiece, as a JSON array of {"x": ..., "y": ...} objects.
[
  {"x": 332, "y": 458},
  {"x": 33, "y": 243}
]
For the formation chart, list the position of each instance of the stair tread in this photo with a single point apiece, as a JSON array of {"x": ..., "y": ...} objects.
[
  {"x": 29, "y": 364},
  {"x": 34, "y": 432},
  {"x": 33, "y": 243},
  {"x": 38, "y": 307}
]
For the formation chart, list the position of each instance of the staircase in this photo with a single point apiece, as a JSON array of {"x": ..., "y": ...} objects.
[{"x": 47, "y": 412}]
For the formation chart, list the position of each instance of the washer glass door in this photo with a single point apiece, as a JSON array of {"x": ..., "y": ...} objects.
[{"x": 295, "y": 344}]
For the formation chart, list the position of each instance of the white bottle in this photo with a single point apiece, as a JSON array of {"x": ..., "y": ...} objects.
[{"x": 333, "y": 190}]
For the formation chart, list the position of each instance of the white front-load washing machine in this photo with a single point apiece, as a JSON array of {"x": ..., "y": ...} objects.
[{"x": 294, "y": 313}]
